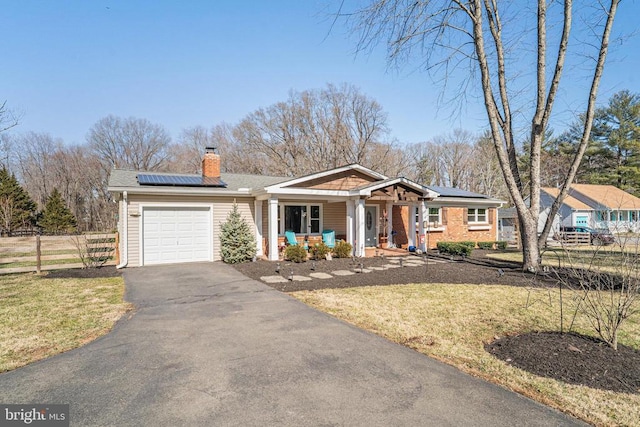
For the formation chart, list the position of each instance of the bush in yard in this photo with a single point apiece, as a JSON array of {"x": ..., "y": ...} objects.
[
  {"x": 342, "y": 249},
  {"x": 470, "y": 244},
  {"x": 295, "y": 253},
  {"x": 501, "y": 244},
  {"x": 485, "y": 245},
  {"x": 237, "y": 243},
  {"x": 319, "y": 251},
  {"x": 455, "y": 248}
]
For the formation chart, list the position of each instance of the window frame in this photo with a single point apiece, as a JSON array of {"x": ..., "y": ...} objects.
[
  {"x": 473, "y": 218},
  {"x": 282, "y": 220}
]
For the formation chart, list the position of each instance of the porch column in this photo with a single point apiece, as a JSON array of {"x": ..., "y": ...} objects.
[
  {"x": 359, "y": 250},
  {"x": 412, "y": 225},
  {"x": 389, "y": 223},
  {"x": 257, "y": 207},
  {"x": 422, "y": 209},
  {"x": 351, "y": 220},
  {"x": 273, "y": 229}
]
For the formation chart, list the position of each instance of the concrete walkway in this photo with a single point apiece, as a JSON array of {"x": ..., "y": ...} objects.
[{"x": 208, "y": 346}]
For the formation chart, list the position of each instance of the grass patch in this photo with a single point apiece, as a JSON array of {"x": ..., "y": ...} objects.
[
  {"x": 40, "y": 317},
  {"x": 43, "y": 262},
  {"x": 575, "y": 257},
  {"x": 453, "y": 322}
]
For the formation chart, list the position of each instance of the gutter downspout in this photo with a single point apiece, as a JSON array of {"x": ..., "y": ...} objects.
[{"x": 125, "y": 233}]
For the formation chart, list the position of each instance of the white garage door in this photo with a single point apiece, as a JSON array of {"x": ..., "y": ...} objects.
[{"x": 176, "y": 234}]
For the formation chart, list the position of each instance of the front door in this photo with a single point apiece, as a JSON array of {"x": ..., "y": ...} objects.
[{"x": 370, "y": 226}]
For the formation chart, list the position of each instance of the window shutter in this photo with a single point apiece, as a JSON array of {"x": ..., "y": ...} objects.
[
  {"x": 491, "y": 213},
  {"x": 444, "y": 216},
  {"x": 465, "y": 216}
]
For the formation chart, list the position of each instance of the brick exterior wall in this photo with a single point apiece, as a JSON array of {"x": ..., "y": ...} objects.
[
  {"x": 400, "y": 224},
  {"x": 453, "y": 223}
]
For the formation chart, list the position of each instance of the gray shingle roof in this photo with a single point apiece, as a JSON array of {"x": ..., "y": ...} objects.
[
  {"x": 455, "y": 192},
  {"x": 121, "y": 178}
]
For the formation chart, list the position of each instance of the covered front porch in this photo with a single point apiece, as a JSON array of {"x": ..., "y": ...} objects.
[{"x": 361, "y": 216}]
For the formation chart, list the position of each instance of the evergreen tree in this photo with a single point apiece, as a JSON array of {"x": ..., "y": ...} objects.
[
  {"x": 17, "y": 210},
  {"x": 237, "y": 243},
  {"x": 56, "y": 217}
]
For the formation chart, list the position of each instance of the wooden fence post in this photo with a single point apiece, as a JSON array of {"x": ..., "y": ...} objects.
[
  {"x": 38, "y": 253},
  {"x": 117, "y": 243}
]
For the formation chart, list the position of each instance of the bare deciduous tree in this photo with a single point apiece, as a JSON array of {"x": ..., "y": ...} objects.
[
  {"x": 445, "y": 34},
  {"x": 129, "y": 143},
  {"x": 8, "y": 118},
  {"x": 311, "y": 131}
]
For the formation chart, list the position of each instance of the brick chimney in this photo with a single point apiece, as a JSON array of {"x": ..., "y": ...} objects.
[{"x": 211, "y": 163}]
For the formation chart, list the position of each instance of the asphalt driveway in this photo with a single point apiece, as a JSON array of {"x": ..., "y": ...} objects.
[{"x": 208, "y": 346}]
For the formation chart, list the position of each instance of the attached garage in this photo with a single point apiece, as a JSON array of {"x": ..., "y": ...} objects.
[{"x": 176, "y": 234}]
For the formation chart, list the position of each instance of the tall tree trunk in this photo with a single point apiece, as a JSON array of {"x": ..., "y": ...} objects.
[{"x": 529, "y": 240}]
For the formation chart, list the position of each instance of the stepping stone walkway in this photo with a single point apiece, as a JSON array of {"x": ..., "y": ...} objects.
[
  {"x": 393, "y": 262},
  {"x": 273, "y": 279},
  {"x": 321, "y": 275},
  {"x": 343, "y": 273}
]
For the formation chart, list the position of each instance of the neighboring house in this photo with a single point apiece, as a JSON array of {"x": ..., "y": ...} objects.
[
  {"x": 595, "y": 206},
  {"x": 169, "y": 218},
  {"x": 508, "y": 225}
]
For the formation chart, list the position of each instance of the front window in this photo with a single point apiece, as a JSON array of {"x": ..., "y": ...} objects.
[
  {"x": 434, "y": 216},
  {"x": 476, "y": 215},
  {"x": 302, "y": 219}
]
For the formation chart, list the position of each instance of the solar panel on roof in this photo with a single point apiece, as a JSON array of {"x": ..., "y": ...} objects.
[
  {"x": 180, "y": 180},
  {"x": 454, "y": 192}
]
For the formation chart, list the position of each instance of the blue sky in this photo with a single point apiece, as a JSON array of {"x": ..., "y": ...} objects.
[{"x": 66, "y": 64}]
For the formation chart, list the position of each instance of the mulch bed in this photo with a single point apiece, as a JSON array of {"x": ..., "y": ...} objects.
[
  {"x": 475, "y": 270},
  {"x": 84, "y": 273},
  {"x": 571, "y": 358}
]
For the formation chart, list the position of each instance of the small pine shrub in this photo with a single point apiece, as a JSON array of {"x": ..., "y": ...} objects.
[
  {"x": 485, "y": 245},
  {"x": 455, "y": 248},
  {"x": 501, "y": 245},
  {"x": 237, "y": 243},
  {"x": 319, "y": 251},
  {"x": 295, "y": 253},
  {"x": 342, "y": 249}
]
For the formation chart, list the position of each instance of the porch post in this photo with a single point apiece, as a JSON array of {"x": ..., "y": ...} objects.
[
  {"x": 389, "y": 223},
  {"x": 273, "y": 229},
  {"x": 257, "y": 207},
  {"x": 421, "y": 218},
  {"x": 412, "y": 225},
  {"x": 351, "y": 215},
  {"x": 359, "y": 250}
]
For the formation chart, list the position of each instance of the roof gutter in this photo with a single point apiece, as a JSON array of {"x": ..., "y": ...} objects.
[{"x": 125, "y": 232}]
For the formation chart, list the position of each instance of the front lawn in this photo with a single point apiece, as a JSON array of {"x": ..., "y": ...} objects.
[
  {"x": 41, "y": 316},
  {"x": 453, "y": 323}
]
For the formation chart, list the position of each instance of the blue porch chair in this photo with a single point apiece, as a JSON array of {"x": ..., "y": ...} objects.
[
  {"x": 329, "y": 238},
  {"x": 290, "y": 236}
]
